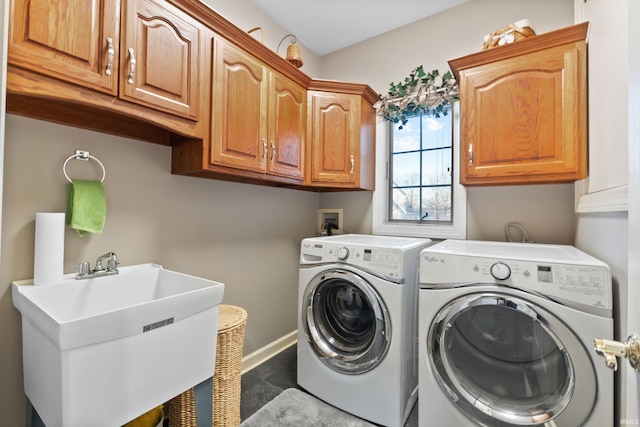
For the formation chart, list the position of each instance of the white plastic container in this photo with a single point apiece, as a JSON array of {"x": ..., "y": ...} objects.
[{"x": 88, "y": 354}]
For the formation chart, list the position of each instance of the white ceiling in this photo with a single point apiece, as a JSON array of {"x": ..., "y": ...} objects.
[{"x": 329, "y": 25}]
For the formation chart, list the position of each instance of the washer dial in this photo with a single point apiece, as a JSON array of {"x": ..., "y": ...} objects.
[
  {"x": 343, "y": 253},
  {"x": 500, "y": 271}
]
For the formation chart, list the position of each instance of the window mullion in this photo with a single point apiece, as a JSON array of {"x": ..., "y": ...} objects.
[{"x": 421, "y": 191}]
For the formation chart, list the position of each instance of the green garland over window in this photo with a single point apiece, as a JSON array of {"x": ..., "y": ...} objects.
[{"x": 420, "y": 93}]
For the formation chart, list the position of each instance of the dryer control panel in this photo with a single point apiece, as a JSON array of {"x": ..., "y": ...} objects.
[{"x": 577, "y": 278}]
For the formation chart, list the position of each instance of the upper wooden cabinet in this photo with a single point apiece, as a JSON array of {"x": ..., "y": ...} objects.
[
  {"x": 157, "y": 59},
  {"x": 239, "y": 100},
  {"x": 523, "y": 110},
  {"x": 258, "y": 116},
  {"x": 334, "y": 138},
  {"x": 177, "y": 73},
  {"x": 75, "y": 40},
  {"x": 287, "y": 127},
  {"x": 341, "y": 133},
  {"x": 161, "y": 57}
]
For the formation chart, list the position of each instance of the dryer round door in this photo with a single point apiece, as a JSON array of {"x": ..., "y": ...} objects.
[
  {"x": 345, "y": 321},
  {"x": 504, "y": 360}
]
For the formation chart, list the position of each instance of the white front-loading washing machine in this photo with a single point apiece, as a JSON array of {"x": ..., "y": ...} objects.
[
  {"x": 357, "y": 324},
  {"x": 506, "y": 335}
]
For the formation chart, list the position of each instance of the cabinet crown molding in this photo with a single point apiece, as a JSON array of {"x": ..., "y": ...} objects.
[{"x": 559, "y": 37}]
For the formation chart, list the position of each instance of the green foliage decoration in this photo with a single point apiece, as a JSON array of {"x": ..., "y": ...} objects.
[{"x": 419, "y": 93}]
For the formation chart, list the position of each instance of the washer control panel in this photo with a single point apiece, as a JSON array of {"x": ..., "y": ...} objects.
[{"x": 388, "y": 262}]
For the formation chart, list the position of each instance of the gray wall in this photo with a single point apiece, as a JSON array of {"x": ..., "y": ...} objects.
[
  {"x": 245, "y": 236},
  {"x": 546, "y": 211}
]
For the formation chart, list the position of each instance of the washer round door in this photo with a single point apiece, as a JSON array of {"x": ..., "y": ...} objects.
[
  {"x": 345, "y": 321},
  {"x": 505, "y": 361}
]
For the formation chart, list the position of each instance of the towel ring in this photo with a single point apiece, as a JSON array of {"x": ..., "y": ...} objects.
[{"x": 82, "y": 155}]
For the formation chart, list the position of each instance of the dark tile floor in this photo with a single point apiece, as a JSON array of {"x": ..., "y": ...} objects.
[{"x": 266, "y": 381}]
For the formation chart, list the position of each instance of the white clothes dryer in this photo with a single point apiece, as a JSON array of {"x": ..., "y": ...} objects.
[
  {"x": 506, "y": 335},
  {"x": 357, "y": 324}
]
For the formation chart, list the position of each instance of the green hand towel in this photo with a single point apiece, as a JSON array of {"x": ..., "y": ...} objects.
[{"x": 86, "y": 206}]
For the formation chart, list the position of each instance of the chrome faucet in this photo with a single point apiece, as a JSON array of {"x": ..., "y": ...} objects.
[
  {"x": 112, "y": 263},
  {"x": 85, "y": 272}
]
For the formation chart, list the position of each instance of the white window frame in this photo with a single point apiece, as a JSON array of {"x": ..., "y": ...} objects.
[{"x": 380, "y": 213}]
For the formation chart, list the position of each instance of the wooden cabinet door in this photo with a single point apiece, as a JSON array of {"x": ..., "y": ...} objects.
[
  {"x": 239, "y": 108},
  {"x": 287, "y": 127},
  {"x": 74, "y": 40},
  {"x": 523, "y": 111},
  {"x": 334, "y": 127},
  {"x": 161, "y": 58},
  {"x": 521, "y": 120}
]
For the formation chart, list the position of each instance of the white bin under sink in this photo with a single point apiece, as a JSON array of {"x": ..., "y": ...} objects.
[{"x": 102, "y": 351}]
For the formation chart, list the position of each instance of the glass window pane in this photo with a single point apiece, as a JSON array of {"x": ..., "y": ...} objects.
[
  {"x": 406, "y": 169},
  {"x": 407, "y": 138},
  {"x": 405, "y": 204},
  {"x": 436, "y": 132},
  {"x": 436, "y": 203},
  {"x": 436, "y": 167}
]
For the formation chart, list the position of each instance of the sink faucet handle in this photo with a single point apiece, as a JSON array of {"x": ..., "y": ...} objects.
[
  {"x": 112, "y": 264},
  {"x": 83, "y": 268},
  {"x": 98, "y": 266}
]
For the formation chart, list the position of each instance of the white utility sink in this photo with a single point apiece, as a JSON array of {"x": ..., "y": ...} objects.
[{"x": 102, "y": 351}]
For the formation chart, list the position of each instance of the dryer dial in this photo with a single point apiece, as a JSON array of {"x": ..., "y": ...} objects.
[
  {"x": 500, "y": 271},
  {"x": 343, "y": 253}
]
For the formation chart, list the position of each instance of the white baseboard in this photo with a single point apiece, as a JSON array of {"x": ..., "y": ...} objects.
[{"x": 259, "y": 356}]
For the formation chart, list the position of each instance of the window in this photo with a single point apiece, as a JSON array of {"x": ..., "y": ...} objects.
[
  {"x": 420, "y": 170},
  {"x": 417, "y": 185}
]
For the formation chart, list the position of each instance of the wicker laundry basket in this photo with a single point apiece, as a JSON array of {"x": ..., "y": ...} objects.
[
  {"x": 511, "y": 33},
  {"x": 226, "y": 380},
  {"x": 181, "y": 410}
]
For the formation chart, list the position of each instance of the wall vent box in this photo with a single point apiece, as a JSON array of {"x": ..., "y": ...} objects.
[{"x": 333, "y": 216}]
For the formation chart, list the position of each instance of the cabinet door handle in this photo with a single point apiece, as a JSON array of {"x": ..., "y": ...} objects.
[
  {"x": 470, "y": 154},
  {"x": 110, "y": 53},
  {"x": 353, "y": 164},
  {"x": 273, "y": 151},
  {"x": 264, "y": 149},
  {"x": 132, "y": 65}
]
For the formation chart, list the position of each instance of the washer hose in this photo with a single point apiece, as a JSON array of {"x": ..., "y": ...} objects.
[{"x": 525, "y": 235}]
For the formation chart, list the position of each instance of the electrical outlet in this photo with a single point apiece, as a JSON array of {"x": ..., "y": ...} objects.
[{"x": 334, "y": 217}]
